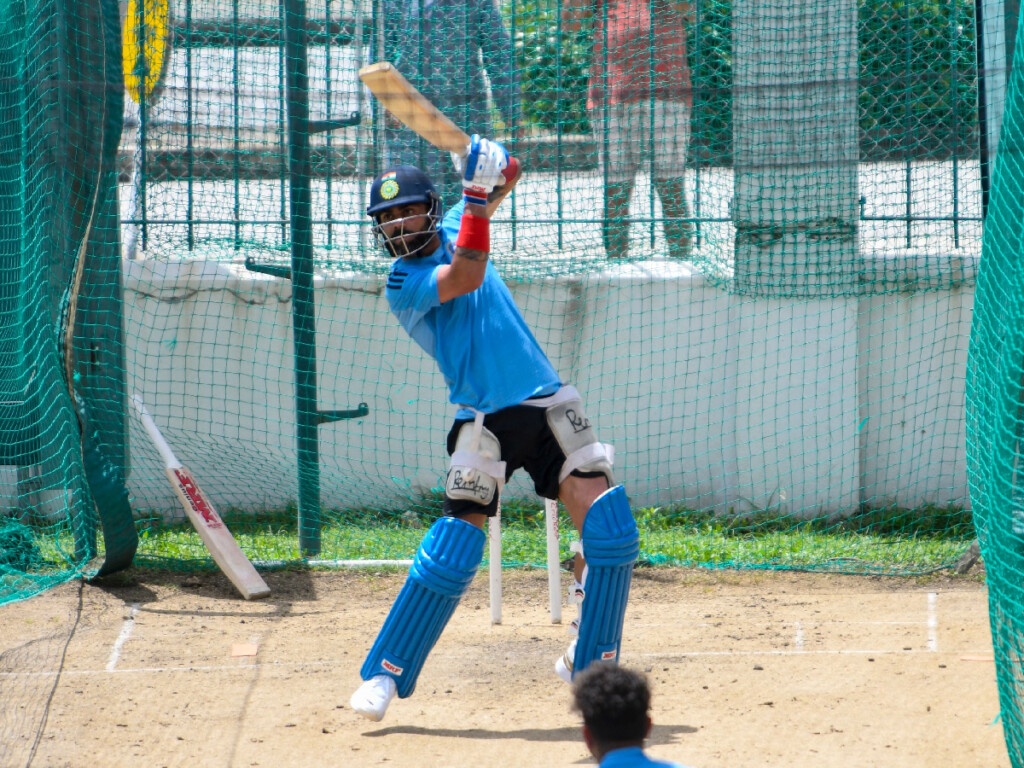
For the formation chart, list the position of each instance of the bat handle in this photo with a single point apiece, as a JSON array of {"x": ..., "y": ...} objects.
[
  {"x": 511, "y": 170},
  {"x": 170, "y": 460}
]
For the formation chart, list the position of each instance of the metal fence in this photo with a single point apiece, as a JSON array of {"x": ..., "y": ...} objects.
[{"x": 213, "y": 138}]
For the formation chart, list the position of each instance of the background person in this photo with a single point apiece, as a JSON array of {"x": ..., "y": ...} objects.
[
  {"x": 616, "y": 706},
  {"x": 444, "y": 48},
  {"x": 640, "y": 99}
]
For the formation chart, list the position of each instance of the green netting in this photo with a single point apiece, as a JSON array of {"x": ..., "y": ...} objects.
[
  {"x": 995, "y": 420},
  {"x": 62, "y": 382},
  {"x": 748, "y": 232}
]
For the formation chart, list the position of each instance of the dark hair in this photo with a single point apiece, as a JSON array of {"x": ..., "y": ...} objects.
[{"x": 614, "y": 702}]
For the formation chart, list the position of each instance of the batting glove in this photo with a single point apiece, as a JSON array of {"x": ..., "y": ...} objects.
[{"x": 481, "y": 169}]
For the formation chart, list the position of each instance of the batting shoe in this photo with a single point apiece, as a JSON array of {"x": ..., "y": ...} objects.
[
  {"x": 371, "y": 699},
  {"x": 563, "y": 666}
]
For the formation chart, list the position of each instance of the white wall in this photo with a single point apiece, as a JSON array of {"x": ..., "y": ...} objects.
[{"x": 711, "y": 399}]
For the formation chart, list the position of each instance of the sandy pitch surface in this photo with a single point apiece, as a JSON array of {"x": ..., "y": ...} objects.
[{"x": 747, "y": 668}]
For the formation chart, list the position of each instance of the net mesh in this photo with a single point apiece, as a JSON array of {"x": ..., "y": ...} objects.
[
  {"x": 748, "y": 233},
  {"x": 995, "y": 420}
]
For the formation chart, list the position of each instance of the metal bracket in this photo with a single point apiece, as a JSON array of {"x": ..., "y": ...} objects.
[
  {"x": 267, "y": 269},
  {"x": 320, "y": 126},
  {"x": 325, "y": 417}
]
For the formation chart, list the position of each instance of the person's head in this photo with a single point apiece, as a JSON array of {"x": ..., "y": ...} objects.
[
  {"x": 405, "y": 208},
  {"x": 615, "y": 703}
]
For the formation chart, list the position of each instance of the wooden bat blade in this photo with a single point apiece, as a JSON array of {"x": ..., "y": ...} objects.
[
  {"x": 410, "y": 106},
  {"x": 216, "y": 536},
  {"x": 204, "y": 518}
]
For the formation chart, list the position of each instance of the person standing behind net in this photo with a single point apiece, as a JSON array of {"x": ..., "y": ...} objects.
[
  {"x": 444, "y": 48},
  {"x": 616, "y": 706},
  {"x": 512, "y": 411},
  {"x": 640, "y": 99}
]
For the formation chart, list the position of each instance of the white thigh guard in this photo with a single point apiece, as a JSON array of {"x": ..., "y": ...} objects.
[
  {"x": 476, "y": 470},
  {"x": 576, "y": 437}
]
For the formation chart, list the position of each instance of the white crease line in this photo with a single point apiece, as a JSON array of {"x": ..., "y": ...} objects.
[
  {"x": 933, "y": 622},
  {"x": 840, "y": 652},
  {"x": 798, "y": 640},
  {"x": 126, "y": 631},
  {"x": 334, "y": 662},
  {"x": 755, "y": 622},
  {"x": 195, "y": 668}
]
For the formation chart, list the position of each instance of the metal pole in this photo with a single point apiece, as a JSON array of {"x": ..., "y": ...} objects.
[
  {"x": 907, "y": 128},
  {"x": 142, "y": 73},
  {"x": 189, "y": 145},
  {"x": 979, "y": 53},
  {"x": 697, "y": 46},
  {"x": 303, "y": 308},
  {"x": 236, "y": 141},
  {"x": 328, "y": 143},
  {"x": 954, "y": 62}
]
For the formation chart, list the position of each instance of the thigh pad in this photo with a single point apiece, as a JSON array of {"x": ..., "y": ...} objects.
[
  {"x": 475, "y": 475},
  {"x": 579, "y": 443}
]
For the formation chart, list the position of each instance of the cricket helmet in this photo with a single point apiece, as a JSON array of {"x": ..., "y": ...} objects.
[
  {"x": 404, "y": 185},
  {"x": 400, "y": 186}
]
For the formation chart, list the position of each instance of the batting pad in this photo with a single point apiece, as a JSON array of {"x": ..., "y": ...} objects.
[
  {"x": 443, "y": 567},
  {"x": 611, "y": 543}
]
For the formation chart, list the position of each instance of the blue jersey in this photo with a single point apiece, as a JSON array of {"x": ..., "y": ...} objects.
[
  {"x": 487, "y": 354},
  {"x": 633, "y": 757}
]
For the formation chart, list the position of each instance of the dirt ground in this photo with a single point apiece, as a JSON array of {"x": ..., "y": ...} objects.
[{"x": 747, "y": 669}]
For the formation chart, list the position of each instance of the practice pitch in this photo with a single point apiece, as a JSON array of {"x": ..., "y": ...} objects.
[{"x": 747, "y": 669}]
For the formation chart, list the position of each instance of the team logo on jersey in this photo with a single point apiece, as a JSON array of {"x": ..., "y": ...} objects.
[{"x": 389, "y": 189}]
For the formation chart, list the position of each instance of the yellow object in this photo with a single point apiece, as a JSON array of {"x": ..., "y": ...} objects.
[{"x": 150, "y": 20}]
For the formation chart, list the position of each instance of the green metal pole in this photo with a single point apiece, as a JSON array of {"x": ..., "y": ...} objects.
[
  {"x": 303, "y": 307},
  {"x": 13, "y": 418}
]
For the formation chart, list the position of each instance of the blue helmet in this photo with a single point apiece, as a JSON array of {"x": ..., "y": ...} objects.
[
  {"x": 400, "y": 186},
  {"x": 404, "y": 185}
]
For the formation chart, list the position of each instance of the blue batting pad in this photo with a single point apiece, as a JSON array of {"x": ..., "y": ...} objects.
[
  {"x": 445, "y": 564},
  {"x": 611, "y": 543}
]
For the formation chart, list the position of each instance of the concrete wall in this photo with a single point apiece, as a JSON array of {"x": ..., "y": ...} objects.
[{"x": 712, "y": 400}]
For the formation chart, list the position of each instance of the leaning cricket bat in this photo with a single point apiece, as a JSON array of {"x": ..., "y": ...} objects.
[
  {"x": 201, "y": 513},
  {"x": 410, "y": 106}
]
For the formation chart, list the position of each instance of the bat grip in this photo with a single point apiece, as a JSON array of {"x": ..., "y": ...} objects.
[{"x": 511, "y": 170}]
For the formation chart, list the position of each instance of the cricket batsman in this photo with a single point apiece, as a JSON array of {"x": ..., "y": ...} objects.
[{"x": 512, "y": 411}]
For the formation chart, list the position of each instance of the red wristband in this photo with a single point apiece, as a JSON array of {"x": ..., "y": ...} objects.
[{"x": 474, "y": 233}]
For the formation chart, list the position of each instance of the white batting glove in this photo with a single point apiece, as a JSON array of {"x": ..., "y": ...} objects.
[{"x": 481, "y": 169}]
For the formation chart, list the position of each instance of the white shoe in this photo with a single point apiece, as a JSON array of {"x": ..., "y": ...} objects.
[
  {"x": 371, "y": 699},
  {"x": 563, "y": 666}
]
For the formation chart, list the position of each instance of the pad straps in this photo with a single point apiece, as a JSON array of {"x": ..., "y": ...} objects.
[
  {"x": 473, "y": 458},
  {"x": 584, "y": 456}
]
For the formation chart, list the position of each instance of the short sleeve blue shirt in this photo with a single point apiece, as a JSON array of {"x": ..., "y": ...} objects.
[
  {"x": 487, "y": 354},
  {"x": 633, "y": 757}
]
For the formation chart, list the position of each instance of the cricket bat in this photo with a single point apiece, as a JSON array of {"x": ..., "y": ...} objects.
[
  {"x": 203, "y": 516},
  {"x": 408, "y": 105}
]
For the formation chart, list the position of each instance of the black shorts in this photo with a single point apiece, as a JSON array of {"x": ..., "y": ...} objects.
[{"x": 526, "y": 441}]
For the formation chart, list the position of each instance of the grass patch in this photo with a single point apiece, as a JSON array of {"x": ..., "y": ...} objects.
[{"x": 887, "y": 540}]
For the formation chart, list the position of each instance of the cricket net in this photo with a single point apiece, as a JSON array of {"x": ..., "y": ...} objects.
[{"x": 773, "y": 332}]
